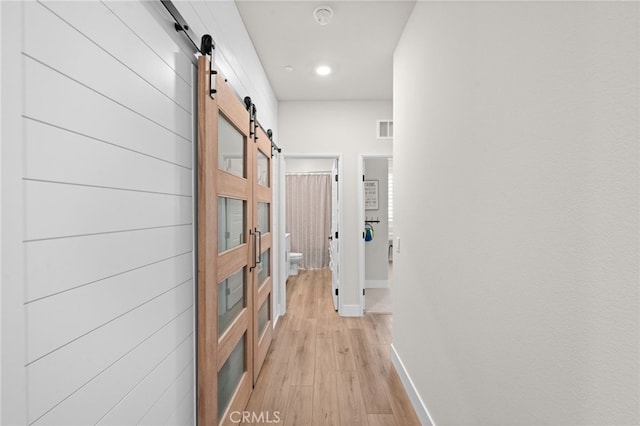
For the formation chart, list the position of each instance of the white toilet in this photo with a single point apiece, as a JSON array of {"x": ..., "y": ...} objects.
[
  {"x": 293, "y": 258},
  {"x": 294, "y": 262}
]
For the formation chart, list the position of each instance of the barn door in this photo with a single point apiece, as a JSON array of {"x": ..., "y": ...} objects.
[
  {"x": 234, "y": 250},
  {"x": 263, "y": 288},
  {"x": 226, "y": 251}
]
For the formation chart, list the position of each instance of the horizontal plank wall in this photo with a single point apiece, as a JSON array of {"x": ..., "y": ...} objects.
[{"x": 108, "y": 215}]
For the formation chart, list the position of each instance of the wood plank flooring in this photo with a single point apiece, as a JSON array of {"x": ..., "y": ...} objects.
[{"x": 323, "y": 369}]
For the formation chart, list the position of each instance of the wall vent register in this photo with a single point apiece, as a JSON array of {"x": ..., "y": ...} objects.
[{"x": 384, "y": 129}]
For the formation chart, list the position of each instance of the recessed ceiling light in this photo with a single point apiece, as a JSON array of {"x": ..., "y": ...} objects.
[
  {"x": 288, "y": 68},
  {"x": 323, "y": 70}
]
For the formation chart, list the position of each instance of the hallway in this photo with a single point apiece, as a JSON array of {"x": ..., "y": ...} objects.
[{"x": 323, "y": 369}]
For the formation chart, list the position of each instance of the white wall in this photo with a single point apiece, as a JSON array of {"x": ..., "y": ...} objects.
[
  {"x": 377, "y": 251},
  {"x": 341, "y": 127},
  {"x": 104, "y": 192},
  {"x": 303, "y": 165},
  {"x": 11, "y": 300},
  {"x": 1, "y": 87},
  {"x": 516, "y": 156}
]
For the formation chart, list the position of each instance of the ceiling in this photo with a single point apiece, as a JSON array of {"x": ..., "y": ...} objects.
[{"x": 357, "y": 44}]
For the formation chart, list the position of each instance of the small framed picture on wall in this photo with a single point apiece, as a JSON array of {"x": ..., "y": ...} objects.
[{"x": 371, "y": 195}]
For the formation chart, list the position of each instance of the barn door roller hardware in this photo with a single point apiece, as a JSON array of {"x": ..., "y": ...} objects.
[
  {"x": 253, "y": 117},
  {"x": 206, "y": 48},
  {"x": 253, "y": 125},
  {"x": 274, "y": 148},
  {"x": 206, "y": 43}
]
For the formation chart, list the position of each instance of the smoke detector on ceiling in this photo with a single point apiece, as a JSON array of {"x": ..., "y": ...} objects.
[{"x": 323, "y": 15}]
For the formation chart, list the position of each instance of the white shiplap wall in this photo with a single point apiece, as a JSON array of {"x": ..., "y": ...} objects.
[
  {"x": 107, "y": 189},
  {"x": 97, "y": 206}
]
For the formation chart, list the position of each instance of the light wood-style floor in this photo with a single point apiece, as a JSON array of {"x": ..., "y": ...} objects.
[{"x": 323, "y": 369}]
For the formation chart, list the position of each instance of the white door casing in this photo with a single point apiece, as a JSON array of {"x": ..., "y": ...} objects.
[{"x": 334, "y": 247}]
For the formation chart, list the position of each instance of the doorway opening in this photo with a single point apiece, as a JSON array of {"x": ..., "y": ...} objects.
[
  {"x": 312, "y": 207},
  {"x": 376, "y": 247}
]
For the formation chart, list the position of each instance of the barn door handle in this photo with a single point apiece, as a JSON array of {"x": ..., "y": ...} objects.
[
  {"x": 254, "y": 249},
  {"x": 258, "y": 258}
]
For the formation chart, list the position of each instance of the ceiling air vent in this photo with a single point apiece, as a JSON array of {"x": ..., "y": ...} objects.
[{"x": 385, "y": 129}]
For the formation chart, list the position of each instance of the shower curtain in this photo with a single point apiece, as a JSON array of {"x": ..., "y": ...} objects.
[{"x": 309, "y": 217}]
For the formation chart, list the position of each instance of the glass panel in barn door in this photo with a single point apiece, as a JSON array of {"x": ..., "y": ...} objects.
[
  {"x": 263, "y": 174},
  {"x": 230, "y": 375},
  {"x": 231, "y": 223},
  {"x": 231, "y": 299},
  {"x": 231, "y": 148}
]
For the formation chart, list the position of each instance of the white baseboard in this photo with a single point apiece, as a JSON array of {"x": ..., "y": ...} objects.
[
  {"x": 351, "y": 311},
  {"x": 414, "y": 396},
  {"x": 376, "y": 284}
]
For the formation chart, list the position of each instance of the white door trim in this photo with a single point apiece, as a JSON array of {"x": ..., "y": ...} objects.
[
  {"x": 361, "y": 217},
  {"x": 329, "y": 156},
  {"x": 280, "y": 285}
]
